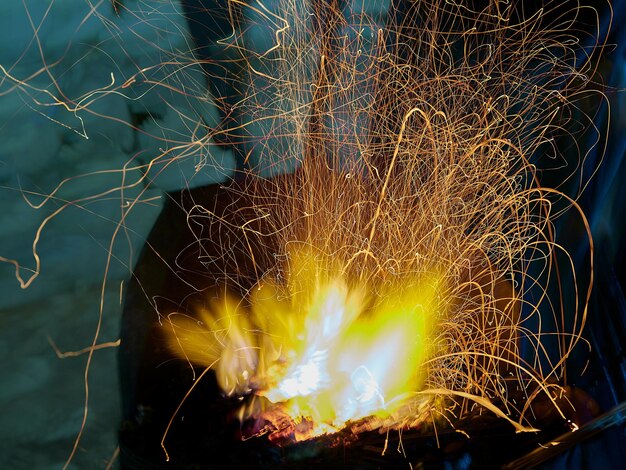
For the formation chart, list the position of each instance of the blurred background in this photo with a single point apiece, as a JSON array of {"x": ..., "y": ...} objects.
[{"x": 89, "y": 123}]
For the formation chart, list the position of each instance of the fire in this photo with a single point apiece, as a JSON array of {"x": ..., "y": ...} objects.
[
  {"x": 410, "y": 265},
  {"x": 319, "y": 348}
]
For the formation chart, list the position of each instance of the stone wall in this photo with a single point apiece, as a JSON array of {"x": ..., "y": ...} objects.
[
  {"x": 101, "y": 113},
  {"x": 76, "y": 142}
]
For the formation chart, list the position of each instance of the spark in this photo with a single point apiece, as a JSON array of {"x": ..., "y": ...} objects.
[{"x": 431, "y": 188}]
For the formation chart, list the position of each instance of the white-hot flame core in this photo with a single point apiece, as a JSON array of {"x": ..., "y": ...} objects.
[{"x": 305, "y": 379}]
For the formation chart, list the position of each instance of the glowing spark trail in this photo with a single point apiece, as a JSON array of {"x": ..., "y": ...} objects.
[{"x": 414, "y": 239}]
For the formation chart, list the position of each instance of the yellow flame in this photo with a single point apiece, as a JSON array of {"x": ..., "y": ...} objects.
[{"x": 321, "y": 348}]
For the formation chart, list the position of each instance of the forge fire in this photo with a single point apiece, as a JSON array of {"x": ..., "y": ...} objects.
[{"x": 293, "y": 234}]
